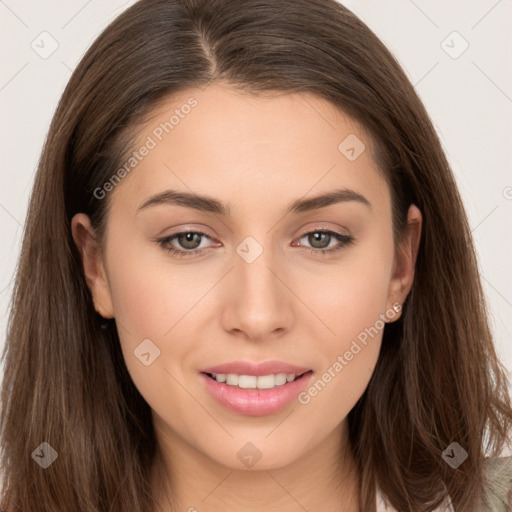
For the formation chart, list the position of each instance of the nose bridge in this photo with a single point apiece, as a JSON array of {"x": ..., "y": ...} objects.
[
  {"x": 253, "y": 268},
  {"x": 258, "y": 302}
]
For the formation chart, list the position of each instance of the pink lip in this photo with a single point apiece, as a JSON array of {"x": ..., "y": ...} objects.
[
  {"x": 249, "y": 368},
  {"x": 256, "y": 402}
]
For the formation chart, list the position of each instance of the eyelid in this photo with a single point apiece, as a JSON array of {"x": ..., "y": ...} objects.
[
  {"x": 189, "y": 228},
  {"x": 318, "y": 227}
]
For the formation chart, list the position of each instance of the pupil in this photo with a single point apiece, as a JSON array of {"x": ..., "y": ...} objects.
[
  {"x": 317, "y": 237},
  {"x": 189, "y": 239}
]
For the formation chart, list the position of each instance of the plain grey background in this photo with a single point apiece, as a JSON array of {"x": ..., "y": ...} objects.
[{"x": 457, "y": 55}]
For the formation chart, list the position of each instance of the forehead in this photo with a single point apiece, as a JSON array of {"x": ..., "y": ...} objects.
[{"x": 227, "y": 144}]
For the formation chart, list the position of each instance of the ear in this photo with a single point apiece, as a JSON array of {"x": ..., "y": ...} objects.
[
  {"x": 404, "y": 263},
  {"x": 92, "y": 261}
]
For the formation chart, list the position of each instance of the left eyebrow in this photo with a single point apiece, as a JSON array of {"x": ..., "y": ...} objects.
[
  {"x": 212, "y": 205},
  {"x": 341, "y": 195}
]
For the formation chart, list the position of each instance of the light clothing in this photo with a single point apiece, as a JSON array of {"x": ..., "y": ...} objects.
[
  {"x": 498, "y": 490},
  {"x": 384, "y": 506}
]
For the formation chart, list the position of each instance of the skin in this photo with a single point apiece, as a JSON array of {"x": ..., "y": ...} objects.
[{"x": 289, "y": 304}]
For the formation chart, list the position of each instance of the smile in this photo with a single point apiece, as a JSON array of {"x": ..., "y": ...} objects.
[{"x": 253, "y": 395}]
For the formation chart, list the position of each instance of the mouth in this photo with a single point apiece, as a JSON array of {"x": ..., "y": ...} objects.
[{"x": 255, "y": 395}]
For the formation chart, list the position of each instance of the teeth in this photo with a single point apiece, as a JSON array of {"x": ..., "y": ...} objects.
[
  {"x": 247, "y": 381},
  {"x": 232, "y": 379},
  {"x": 253, "y": 381}
]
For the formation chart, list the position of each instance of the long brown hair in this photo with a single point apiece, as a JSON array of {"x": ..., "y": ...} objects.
[{"x": 438, "y": 379}]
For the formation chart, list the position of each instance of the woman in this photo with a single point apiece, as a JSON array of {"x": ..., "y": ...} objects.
[{"x": 247, "y": 281}]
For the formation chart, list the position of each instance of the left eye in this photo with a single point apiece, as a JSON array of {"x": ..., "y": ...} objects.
[
  {"x": 189, "y": 239},
  {"x": 320, "y": 240}
]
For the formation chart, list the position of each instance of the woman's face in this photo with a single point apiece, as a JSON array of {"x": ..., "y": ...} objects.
[{"x": 263, "y": 287}]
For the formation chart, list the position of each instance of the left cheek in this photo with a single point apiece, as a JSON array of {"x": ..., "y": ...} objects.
[
  {"x": 353, "y": 306},
  {"x": 351, "y": 363},
  {"x": 354, "y": 303}
]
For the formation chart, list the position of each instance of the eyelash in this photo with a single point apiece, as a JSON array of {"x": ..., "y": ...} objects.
[{"x": 343, "y": 239}]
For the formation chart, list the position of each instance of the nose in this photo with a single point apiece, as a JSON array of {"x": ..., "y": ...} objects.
[{"x": 257, "y": 303}]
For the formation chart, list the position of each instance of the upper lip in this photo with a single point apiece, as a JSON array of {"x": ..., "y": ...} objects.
[{"x": 251, "y": 368}]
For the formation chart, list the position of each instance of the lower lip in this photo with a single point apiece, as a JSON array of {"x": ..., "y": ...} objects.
[{"x": 256, "y": 402}]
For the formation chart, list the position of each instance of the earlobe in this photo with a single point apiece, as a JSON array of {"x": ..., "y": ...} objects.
[
  {"x": 393, "y": 313},
  {"x": 92, "y": 264},
  {"x": 405, "y": 260}
]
